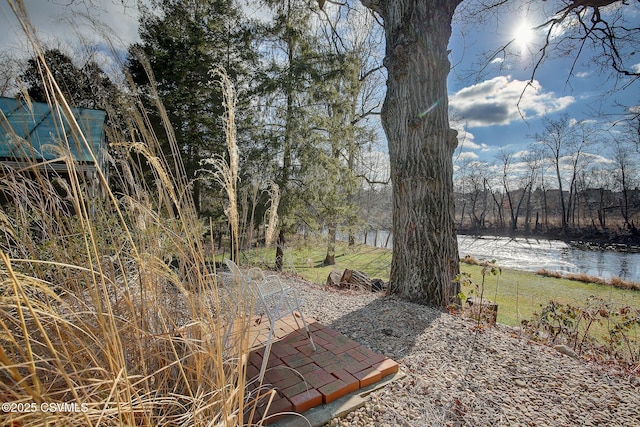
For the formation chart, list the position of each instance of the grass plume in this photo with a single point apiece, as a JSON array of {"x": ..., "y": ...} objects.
[{"x": 90, "y": 311}]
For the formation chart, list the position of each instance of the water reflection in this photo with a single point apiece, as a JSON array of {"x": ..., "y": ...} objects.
[{"x": 553, "y": 255}]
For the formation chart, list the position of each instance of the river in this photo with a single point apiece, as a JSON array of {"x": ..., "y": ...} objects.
[
  {"x": 552, "y": 255},
  {"x": 535, "y": 254}
]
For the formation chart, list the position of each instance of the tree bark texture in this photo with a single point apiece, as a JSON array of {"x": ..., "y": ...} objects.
[
  {"x": 421, "y": 145},
  {"x": 330, "y": 259}
]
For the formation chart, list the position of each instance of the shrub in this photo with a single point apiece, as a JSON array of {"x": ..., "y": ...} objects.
[{"x": 601, "y": 330}]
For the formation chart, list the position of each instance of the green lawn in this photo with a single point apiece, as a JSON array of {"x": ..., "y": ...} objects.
[
  {"x": 518, "y": 293},
  {"x": 305, "y": 258}
]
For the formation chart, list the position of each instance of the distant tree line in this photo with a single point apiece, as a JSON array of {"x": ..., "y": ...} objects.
[{"x": 574, "y": 179}]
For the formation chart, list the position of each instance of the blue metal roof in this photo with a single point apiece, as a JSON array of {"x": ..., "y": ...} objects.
[{"x": 35, "y": 124}]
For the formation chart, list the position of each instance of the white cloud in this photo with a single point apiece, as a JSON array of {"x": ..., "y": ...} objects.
[
  {"x": 636, "y": 68},
  {"x": 467, "y": 155},
  {"x": 64, "y": 24},
  {"x": 470, "y": 145},
  {"x": 502, "y": 100},
  {"x": 596, "y": 158},
  {"x": 466, "y": 139}
]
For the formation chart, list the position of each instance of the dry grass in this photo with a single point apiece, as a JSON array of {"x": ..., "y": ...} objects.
[
  {"x": 616, "y": 282},
  {"x": 91, "y": 314}
]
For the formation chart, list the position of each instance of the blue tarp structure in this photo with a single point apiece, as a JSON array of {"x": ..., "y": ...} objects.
[{"x": 29, "y": 130}]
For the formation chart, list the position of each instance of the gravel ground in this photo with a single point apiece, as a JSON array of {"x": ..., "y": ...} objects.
[{"x": 456, "y": 376}]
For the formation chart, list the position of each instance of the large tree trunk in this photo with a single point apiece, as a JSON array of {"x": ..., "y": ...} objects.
[{"x": 421, "y": 145}]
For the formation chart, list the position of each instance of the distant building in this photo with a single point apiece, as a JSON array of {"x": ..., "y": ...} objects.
[{"x": 32, "y": 134}]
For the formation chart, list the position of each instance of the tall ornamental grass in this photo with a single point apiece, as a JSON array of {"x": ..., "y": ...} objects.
[{"x": 110, "y": 314}]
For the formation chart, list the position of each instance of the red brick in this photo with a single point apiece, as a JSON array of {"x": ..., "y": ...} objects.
[
  {"x": 306, "y": 349},
  {"x": 319, "y": 341},
  {"x": 290, "y": 320},
  {"x": 342, "y": 348},
  {"x": 371, "y": 356},
  {"x": 324, "y": 359},
  {"x": 341, "y": 339},
  {"x": 277, "y": 374},
  {"x": 318, "y": 378},
  {"x": 307, "y": 368},
  {"x": 330, "y": 347},
  {"x": 306, "y": 400},
  {"x": 368, "y": 376},
  {"x": 356, "y": 354},
  {"x": 257, "y": 415},
  {"x": 347, "y": 359},
  {"x": 290, "y": 324},
  {"x": 289, "y": 392},
  {"x": 287, "y": 382},
  {"x": 251, "y": 386},
  {"x": 279, "y": 405},
  {"x": 296, "y": 360},
  {"x": 325, "y": 336},
  {"x": 294, "y": 337},
  {"x": 315, "y": 326},
  {"x": 282, "y": 349},
  {"x": 302, "y": 340},
  {"x": 338, "y": 366},
  {"x": 336, "y": 390},
  {"x": 252, "y": 372},
  {"x": 255, "y": 358},
  {"x": 347, "y": 378},
  {"x": 386, "y": 367},
  {"x": 332, "y": 332},
  {"x": 274, "y": 361},
  {"x": 357, "y": 367}
]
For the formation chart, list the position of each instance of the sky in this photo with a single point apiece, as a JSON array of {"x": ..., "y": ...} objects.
[
  {"x": 72, "y": 25},
  {"x": 501, "y": 107},
  {"x": 496, "y": 107}
]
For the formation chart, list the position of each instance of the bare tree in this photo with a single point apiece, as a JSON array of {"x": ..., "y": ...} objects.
[
  {"x": 510, "y": 176},
  {"x": 533, "y": 160},
  {"x": 626, "y": 156},
  {"x": 10, "y": 67},
  {"x": 585, "y": 136},
  {"x": 554, "y": 141}
]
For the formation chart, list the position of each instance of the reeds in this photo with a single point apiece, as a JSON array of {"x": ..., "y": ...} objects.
[
  {"x": 225, "y": 171},
  {"x": 616, "y": 282},
  {"x": 93, "y": 319}
]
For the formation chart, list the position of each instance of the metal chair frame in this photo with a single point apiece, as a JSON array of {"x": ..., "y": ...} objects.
[{"x": 275, "y": 300}]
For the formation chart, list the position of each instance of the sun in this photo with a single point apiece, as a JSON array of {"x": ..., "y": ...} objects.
[{"x": 523, "y": 36}]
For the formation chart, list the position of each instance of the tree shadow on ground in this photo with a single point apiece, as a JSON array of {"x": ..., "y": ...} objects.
[{"x": 387, "y": 325}]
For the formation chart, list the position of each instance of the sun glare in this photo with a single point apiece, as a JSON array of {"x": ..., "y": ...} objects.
[{"x": 523, "y": 36}]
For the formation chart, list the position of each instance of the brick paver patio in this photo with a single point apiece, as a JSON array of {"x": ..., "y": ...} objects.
[{"x": 304, "y": 378}]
